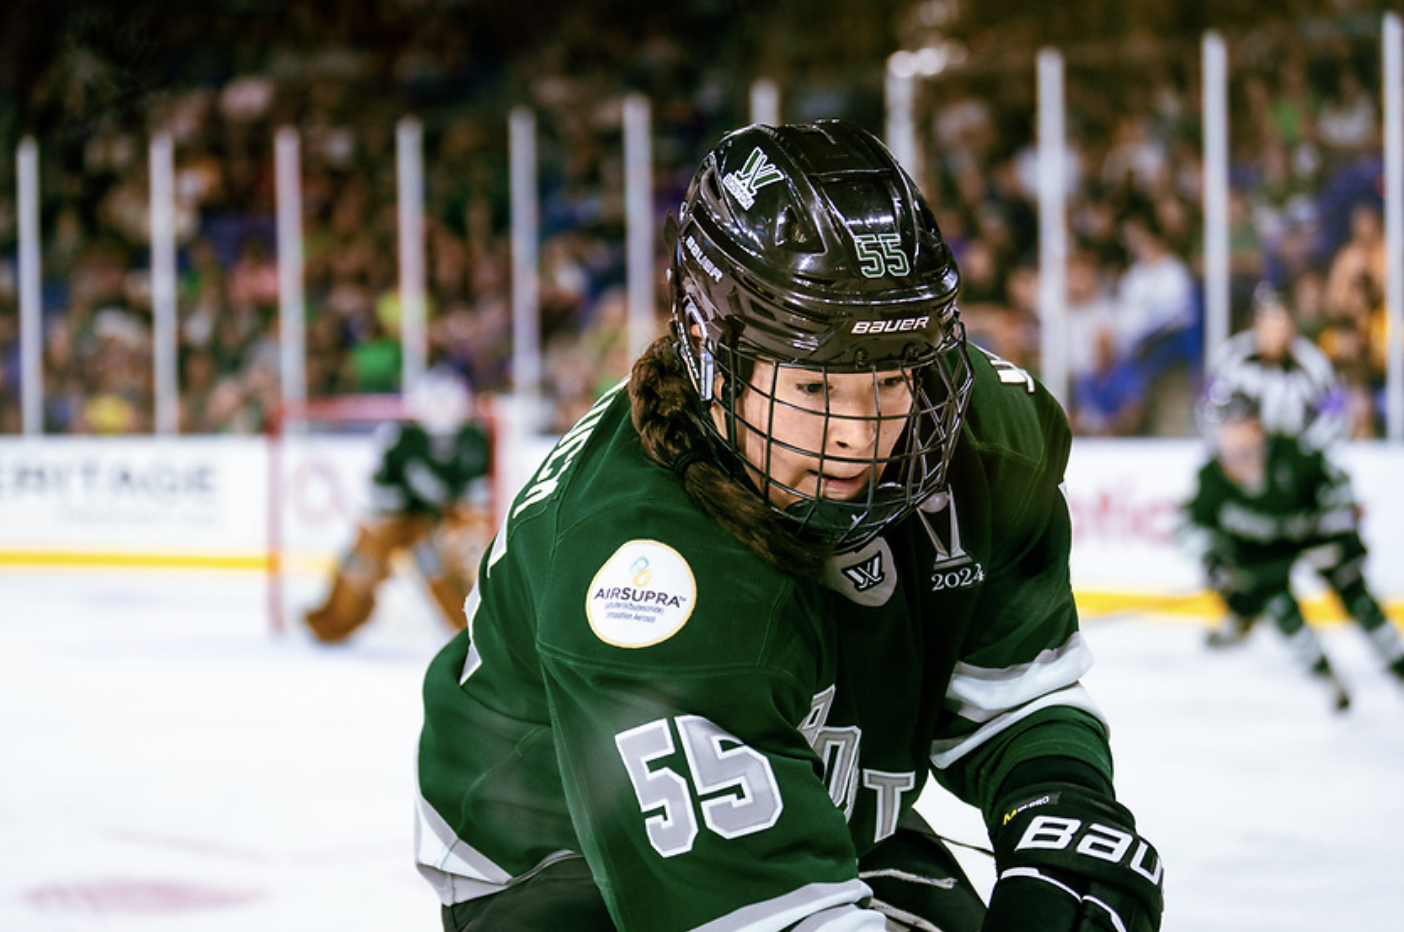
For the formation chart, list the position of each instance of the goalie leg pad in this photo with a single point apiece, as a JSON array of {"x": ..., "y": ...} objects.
[
  {"x": 348, "y": 606},
  {"x": 351, "y": 599}
]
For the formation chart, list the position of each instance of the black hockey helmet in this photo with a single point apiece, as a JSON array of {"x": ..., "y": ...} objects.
[
  {"x": 1224, "y": 404},
  {"x": 807, "y": 246},
  {"x": 1232, "y": 424}
]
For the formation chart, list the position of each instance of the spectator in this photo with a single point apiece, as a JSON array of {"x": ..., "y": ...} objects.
[
  {"x": 11, "y": 417},
  {"x": 1109, "y": 397},
  {"x": 1348, "y": 122},
  {"x": 1138, "y": 163},
  {"x": 375, "y": 361},
  {"x": 118, "y": 400},
  {"x": 199, "y": 378},
  {"x": 1292, "y": 113},
  {"x": 1091, "y": 311},
  {"x": 1361, "y": 259},
  {"x": 1300, "y": 118},
  {"x": 1159, "y": 322},
  {"x": 1355, "y": 336}
]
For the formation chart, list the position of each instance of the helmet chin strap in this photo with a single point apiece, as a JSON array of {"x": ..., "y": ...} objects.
[{"x": 833, "y": 520}]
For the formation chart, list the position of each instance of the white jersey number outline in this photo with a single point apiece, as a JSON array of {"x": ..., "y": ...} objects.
[{"x": 735, "y": 784}]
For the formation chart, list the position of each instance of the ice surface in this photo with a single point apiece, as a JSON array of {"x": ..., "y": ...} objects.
[{"x": 169, "y": 763}]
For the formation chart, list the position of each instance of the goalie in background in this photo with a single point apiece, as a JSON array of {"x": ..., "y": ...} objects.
[
  {"x": 1262, "y": 503},
  {"x": 428, "y": 498}
]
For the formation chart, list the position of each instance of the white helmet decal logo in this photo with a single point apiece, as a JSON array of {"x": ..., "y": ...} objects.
[{"x": 754, "y": 175}]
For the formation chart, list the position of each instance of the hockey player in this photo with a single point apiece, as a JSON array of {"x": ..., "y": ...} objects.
[
  {"x": 426, "y": 500},
  {"x": 1263, "y": 503},
  {"x": 1294, "y": 383},
  {"x": 811, "y": 555}
]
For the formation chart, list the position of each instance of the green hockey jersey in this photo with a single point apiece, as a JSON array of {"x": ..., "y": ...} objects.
[
  {"x": 424, "y": 473},
  {"x": 721, "y": 740},
  {"x": 1303, "y": 500}
]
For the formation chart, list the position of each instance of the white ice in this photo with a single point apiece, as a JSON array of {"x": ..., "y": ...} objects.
[{"x": 168, "y": 763}]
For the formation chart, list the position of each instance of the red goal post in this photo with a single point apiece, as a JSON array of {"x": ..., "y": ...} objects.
[{"x": 320, "y": 457}]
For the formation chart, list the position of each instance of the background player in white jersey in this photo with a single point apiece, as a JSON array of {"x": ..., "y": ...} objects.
[
  {"x": 1296, "y": 387},
  {"x": 815, "y": 555}
]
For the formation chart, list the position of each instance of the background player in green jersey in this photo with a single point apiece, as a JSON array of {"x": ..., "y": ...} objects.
[
  {"x": 426, "y": 500},
  {"x": 1263, "y": 503},
  {"x": 810, "y": 556}
]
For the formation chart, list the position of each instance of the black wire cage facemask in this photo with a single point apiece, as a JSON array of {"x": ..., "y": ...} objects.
[
  {"x": 840, "y": 452},
  {"x": 814, "y": 306}
]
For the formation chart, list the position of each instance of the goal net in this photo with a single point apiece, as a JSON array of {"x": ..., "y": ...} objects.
[{"x": 322, "y": 456}]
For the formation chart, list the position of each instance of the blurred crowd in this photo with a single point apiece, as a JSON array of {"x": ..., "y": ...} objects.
[
  {"x": 1305, "y": 215},
  {"x": 1306, "y": 211}
]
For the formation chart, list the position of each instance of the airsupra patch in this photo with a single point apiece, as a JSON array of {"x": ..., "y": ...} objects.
[{"x": 643, "y": 595}]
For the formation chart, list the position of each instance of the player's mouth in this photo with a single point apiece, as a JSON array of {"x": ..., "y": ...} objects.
[{"x": 840, "y": 487}]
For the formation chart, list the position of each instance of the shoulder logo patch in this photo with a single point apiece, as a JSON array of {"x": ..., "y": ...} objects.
[
  {"x": 642, "y": 596},
  {"x": 867, "y": 576}
]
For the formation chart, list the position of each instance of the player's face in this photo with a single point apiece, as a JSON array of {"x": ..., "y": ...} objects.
[
  {"x": 1274, "y": 332},
  {"x": 1242, "y": 451},
  {"x": 822, "y": 433}
]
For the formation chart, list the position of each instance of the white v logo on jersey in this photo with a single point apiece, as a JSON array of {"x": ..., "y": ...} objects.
[{"x": 867, "y": 574}]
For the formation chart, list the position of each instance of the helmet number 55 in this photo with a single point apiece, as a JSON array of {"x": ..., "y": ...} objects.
[{"x": 880, "y": 254}]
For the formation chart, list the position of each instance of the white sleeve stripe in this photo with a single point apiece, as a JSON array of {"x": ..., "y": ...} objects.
[
  {"x": 844, "y": 919},
  {"x": 944, "y": 883},
  {"x": 909, "y": 922},
  {"x": 456, "y": 870},
  {"x": 425, "y": 484},
  {"x": 1115, "y": 916},
  {"x": 443, "y": 850},
  {"x": 387, "y": 498},
  {"x": 981, "y": 694},
  {"x": 815, "y": 907},
  {"x": 1033, "y": 873},
  {"x": 947, "y": 752}
]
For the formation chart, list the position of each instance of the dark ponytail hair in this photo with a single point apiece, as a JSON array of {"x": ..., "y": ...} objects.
[{"x": 663, "y": 405}]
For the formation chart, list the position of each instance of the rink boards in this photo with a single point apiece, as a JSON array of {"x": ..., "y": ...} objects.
[{"x": 218, "y": 502}]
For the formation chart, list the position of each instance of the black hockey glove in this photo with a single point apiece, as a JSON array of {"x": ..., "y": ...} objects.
[
  {"x": 1218, "y": 571},
  {"x": 1069, "y": 860}
]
